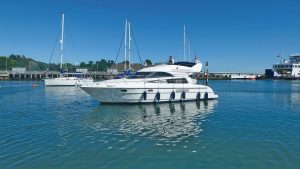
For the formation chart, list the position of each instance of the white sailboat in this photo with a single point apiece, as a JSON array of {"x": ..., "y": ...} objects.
[{"x": 64, "y": 79}]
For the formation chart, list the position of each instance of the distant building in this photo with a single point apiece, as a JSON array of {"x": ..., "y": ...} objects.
[
  {"x": 234, "y": 75},
  {"x": 82, "y": 70},
  {"x": 243, "y": 76},
  {"x": 18, "y": 70},
  {"x": 112, "y": 71}
]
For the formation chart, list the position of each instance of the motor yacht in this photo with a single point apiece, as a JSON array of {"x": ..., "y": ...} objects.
[{"x": 160, "y": 83}]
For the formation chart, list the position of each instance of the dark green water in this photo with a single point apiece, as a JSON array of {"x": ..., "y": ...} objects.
[{"x": 254, "y": 124}]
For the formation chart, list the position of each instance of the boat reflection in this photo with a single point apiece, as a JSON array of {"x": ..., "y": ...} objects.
[
  {"x": 294, "y": 98},
  {"x": 287, "y": 93},
  {"x": 166, "y": 120},
  {"x": 70, "y": 92},
  {"x": 62, "y": 90}
]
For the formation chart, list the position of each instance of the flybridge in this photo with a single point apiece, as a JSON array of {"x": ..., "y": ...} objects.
[{"x": 180, "y": 67}]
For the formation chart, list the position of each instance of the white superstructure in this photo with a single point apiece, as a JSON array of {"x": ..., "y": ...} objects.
[
  {"x": 289, "y": 68},
  {"x": 161, "y": 83}
]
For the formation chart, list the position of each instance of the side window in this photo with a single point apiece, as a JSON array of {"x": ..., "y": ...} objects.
[
  {"x": 182, "y": 80},
  {"x": 159, "y": 74},
  {"x": 158, "y": 81},
  {"x": 162, "y": 74}
]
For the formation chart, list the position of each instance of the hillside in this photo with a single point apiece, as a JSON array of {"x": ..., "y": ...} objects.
[{"x": 30, "y": 64}]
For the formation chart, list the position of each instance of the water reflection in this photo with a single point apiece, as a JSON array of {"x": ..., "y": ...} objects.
[
  {"x": 65, "y": 95},
  {"x": 295, "y": 94},
  {"x": 63, "y": 91},
  {"x": 287, "y": 93},
  {"x": 165, "y": 121}
]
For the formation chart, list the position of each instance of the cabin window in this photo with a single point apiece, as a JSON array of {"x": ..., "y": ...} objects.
[
  {"x": 158, "y": 81},
  {"x": 139, "y": 75},
  {"x": 181, "y": 80},
  {"x": 160, "y": 74},
  {"x": 149, "y": 75}
]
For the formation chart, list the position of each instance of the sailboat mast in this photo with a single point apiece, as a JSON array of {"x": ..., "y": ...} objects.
[
  {"x": 184, "y": 43},
  {"x": 129, "y": 45},
  {"x": 125, "y": 44},
  {"x": 62, "y": 40}
]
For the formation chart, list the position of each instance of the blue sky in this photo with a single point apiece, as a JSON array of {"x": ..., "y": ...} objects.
[{"x": 233, "y": 35}]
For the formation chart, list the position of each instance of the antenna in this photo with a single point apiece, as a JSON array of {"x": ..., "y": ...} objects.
[
  {"x": 189, "y": 50},
  {"x": 281, "y": 56}
]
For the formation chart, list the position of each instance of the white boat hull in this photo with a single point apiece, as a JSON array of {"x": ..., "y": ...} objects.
[
  {"x": 67, "y": 81},
  {"x": 136, "y": 95}
]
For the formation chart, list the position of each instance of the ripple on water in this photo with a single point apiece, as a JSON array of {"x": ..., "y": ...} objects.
[{"x": 253, "y": 125}]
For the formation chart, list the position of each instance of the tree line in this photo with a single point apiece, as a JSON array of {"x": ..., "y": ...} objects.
[{"x": 14, "y": 61}]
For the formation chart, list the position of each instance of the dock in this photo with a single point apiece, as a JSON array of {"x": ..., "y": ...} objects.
[
  {"x": 97, "y": 75},
  {"x": 39, "y": 75}
]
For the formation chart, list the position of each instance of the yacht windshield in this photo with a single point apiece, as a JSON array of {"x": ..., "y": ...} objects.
[{"x": 188, "y": 64}]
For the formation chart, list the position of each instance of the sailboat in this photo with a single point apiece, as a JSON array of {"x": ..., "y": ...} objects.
[
  {"x": 63, "y": 79},
  {"x": 127, "y": 50}
]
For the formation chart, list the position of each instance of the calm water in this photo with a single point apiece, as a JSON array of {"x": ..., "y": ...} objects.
[{"x": 254, "y": 124}]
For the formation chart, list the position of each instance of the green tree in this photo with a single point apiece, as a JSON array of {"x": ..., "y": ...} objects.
[
  {"x": 148, "y": 62},
  {"x": 82, "y": 64},
  {"x": 91, "y": 65},
  {"x": 102, "y": 65}
]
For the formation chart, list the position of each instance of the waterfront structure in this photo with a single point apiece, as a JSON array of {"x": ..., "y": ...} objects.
[
  {"x": 161, "y": 83},
  {"x": 288, "y": 68},
  {"x": 18, "y": 70},
  {"x": 39, "y": 75},
  {"x": 235, "y": 75}
]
